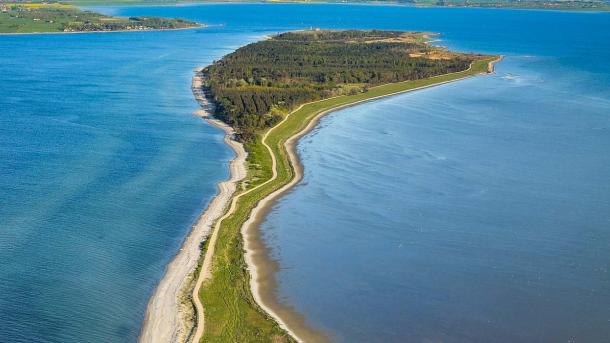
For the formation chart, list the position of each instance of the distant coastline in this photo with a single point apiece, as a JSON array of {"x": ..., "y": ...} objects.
[
  {"x": 201, "y": 26},
  {"x": 53, "y": 18},
  {"x": 577, "y": 6}
]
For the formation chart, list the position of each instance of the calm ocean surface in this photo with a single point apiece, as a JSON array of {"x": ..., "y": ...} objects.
[{"x": 474, "y": 211}]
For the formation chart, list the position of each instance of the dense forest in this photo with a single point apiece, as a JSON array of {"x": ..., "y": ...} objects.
[{"x": 258, "y": 83}]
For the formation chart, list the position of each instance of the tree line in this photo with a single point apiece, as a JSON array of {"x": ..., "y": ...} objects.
[{"x": 297, "y": 67}]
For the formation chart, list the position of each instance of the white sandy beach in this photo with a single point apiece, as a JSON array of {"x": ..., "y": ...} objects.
[{"x": 169, "y": 316}]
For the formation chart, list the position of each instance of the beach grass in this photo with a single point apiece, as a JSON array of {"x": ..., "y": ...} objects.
[{"x": 231, "y": 313}]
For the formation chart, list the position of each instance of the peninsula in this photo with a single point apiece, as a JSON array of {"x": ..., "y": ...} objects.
[
  {"x": 38, "y": 17},
  {"x": 267, "y": 95}
]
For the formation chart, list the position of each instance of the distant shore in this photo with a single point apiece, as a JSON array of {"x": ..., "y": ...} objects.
[
  {"x": 85, "y": 32},
  {"x": 364, "y": 3}
]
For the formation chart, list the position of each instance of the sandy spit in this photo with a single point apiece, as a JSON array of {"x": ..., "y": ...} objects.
[{"x": 169, "y": 316}]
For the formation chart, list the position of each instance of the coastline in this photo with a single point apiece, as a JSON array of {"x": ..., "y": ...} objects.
[
  {"x": 261, "y": 266},
  {"x": 169, "y": 313},
  {"x": 87, "y": 32},
  {"x": 364, "y": 3}
]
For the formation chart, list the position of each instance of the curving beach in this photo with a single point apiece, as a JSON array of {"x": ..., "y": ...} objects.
[{"x": 169, "y": 315}]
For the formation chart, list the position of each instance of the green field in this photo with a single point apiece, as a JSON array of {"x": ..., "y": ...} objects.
[
  {"x": 231, "y": 315},
  {"x": 55, "y": 17}
]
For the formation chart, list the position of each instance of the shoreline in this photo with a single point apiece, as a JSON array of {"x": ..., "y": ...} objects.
[
  {"x": 169, "y": 313},
  {"x": 88, "y": 32},
  {"x": 262, "y": 268}
]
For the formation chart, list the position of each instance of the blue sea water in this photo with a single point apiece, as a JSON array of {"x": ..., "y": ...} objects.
[
  {"x": 103, "y": 169},
  {"x": 474, "y": 211}
]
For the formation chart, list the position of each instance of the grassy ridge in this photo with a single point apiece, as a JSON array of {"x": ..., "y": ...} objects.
[{"x": 231, "y": 313}]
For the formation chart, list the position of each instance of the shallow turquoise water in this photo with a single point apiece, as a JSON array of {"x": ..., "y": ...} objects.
[{"x": 475, "y": 211}]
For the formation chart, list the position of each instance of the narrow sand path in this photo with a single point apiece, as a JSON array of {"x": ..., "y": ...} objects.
[{"x": 206, "y": 268}]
